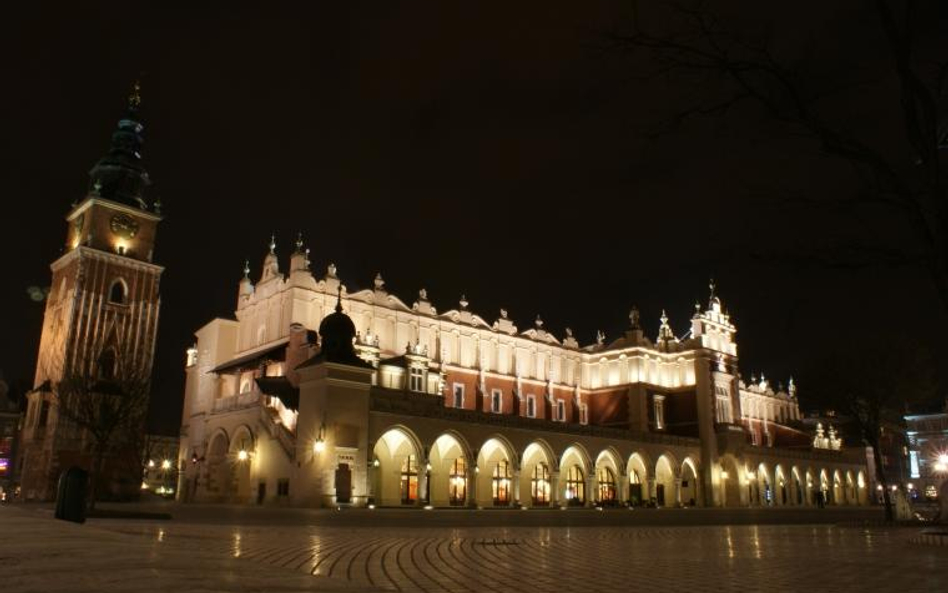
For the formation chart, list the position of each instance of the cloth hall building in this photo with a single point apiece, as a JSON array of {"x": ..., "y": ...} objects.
[{"x": 317, "y": 396}]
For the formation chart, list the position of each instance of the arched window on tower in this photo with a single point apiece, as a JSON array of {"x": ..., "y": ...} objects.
[{"x": 118, "y": 293}]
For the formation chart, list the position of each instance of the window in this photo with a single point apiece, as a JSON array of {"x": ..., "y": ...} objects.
[
  {"x": 607, "y": 485},
  {"x": 723, "y": 405},
  {"x": 458, "y": 395},
  {"x": 107, "y": 365},
  {"x": 583, "y": 414},
  {"x": 44, "y": 413},
  {"x": 416, "y": 379},
  {"x": 659, "y": 405},
  {"x": 575, "y": 486},
  {"x": 500, "y": 483},
  {"x": 409, "y": 480},
  {"x": 531, "y": 407},
  {"x": 283, "y": 487},
  {"x": 496, "y": 401},
  {"x": 561, "y": 410},
  {"x": 118, "y": 293},
  {"x": 540, "y": 485},
  {"x": 457, "y": 485}
]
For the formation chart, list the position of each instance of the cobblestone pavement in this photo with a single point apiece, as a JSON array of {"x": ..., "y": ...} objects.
[{"x": 705, "y": 558}]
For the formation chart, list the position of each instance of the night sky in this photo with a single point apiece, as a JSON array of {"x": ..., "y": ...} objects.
[{"x": 503, "y": 152}]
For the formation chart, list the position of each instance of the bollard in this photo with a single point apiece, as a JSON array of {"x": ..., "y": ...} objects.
[{"x": 71, "y": 495}]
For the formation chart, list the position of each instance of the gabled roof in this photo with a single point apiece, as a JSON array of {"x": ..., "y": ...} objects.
[{"x": 260, "y": 353}]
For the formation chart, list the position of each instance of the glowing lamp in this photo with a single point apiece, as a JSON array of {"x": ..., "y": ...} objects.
[
  {"x": 242, "y": 455},
  {"x": 943, "y": 459},
  {"x": 319, "y": 445},
  {"x": 376, "y": 462},
  {"x": 151, "y": 463},
  {"x": 166, "y": 464},
  {"x": 724, "y": 474}
]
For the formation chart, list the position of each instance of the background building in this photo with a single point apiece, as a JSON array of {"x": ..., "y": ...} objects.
[
  {"x": 9, "y": 430},
  {"x": 928, "y": 452}
]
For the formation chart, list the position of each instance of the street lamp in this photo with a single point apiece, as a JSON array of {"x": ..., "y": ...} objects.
[{"x": 319, "y": 445}]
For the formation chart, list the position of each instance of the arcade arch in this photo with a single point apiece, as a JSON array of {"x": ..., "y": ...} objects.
[{"x": 396, "y": 461}]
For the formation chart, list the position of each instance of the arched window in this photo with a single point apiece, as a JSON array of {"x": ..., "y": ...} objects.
[
  {"x": 457, "y": 485},
  {"x": 409, "y": 481},
  {"x": 575, "y": 486},
  {"x": 500, "y": 483},
  {"x": 607, "y": 485},
  {"x": 540, "y": 485},
  {"x": 118, "y": 293},
  {"x": 107, "y": 365}
]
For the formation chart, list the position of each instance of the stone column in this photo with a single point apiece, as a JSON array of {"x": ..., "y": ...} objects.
[
  {"x": 471, "y": 475},
  {"x": 515, "y": 489},
  {"x": 554, "y": 488},
  {"x": 591, "y": 492},
  {"x": 651, "y": 494},
  {"x": 678, "y": 490}
]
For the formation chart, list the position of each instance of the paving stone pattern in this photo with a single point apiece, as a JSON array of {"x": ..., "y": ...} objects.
[{"x": 590, "y": 559}]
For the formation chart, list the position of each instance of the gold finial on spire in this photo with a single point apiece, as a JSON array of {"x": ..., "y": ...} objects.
[{"x": 135, "y": 97}]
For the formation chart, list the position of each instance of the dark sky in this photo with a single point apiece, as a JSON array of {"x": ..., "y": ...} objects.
[{"x": 497, "y": 151}]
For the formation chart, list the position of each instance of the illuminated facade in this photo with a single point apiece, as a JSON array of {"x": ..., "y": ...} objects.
[
  {"x": 391, "y": 403},
  {"x": 928, "y": 453},
  {"x": 103, "y": 304}
]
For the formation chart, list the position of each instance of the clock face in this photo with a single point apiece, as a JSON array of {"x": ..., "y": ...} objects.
[{"x": 124, "y": 226}]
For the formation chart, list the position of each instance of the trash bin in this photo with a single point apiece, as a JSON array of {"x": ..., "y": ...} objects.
[{"x": 71, "y": 495}]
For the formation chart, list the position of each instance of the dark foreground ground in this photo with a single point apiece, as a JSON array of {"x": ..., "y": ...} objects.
[{"x": 231, "y": 548}]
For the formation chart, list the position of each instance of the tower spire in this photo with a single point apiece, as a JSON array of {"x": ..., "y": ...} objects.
[{"x": 120, "y": 176}]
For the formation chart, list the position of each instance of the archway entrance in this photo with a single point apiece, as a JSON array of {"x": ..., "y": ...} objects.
[
  {"x": 638, "y": 480},
  {"x": 665, "y": 495},
  {"x": 242, "y": 454},
  {"x": 537, "y": 472},
  {"x": 449, "y": 465},
  {"x": 218, "y": 468},
  {"x": 796, "y": 487},
  {"x": 396, "y": 460},
  {"x": 689, "y": 483},
  {"x": 764, "y": 486},
  {"x": 781, "y": 496},
  {"x": 573, "y": 475},
  {"x": 494, "y": 474},
  {"x": 863, "y": 494},
  {"x": 607, "y": 479}
]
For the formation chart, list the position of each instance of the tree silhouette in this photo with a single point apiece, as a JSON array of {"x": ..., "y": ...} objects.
[
  {"x": 107, "y": 402},
  {"x": 725, "y": 64}
]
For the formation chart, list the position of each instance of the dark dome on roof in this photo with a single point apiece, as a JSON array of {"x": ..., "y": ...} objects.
[{"x": 337, "y": 332}]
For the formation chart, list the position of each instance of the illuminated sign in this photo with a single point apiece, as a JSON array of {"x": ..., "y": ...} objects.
[
  {"x": 4, "y": 465},
  {"x": 913, "y": 464}
]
